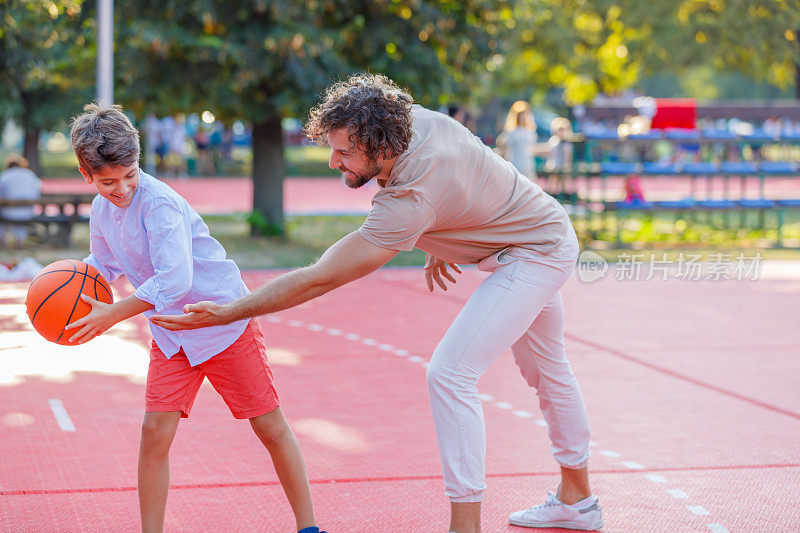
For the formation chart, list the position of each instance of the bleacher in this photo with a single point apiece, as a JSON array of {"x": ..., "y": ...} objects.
[{"x": 744, "y": 182}]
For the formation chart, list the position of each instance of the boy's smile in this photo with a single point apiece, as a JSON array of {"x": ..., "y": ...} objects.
[{"x": 117, "y": 184}]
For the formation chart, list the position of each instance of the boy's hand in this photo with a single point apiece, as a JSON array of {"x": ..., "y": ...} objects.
[
  {"x": 199, "y": 315},
  {"x": 99, "y": 319}
]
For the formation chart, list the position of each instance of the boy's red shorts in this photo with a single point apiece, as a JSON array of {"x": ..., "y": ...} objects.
[{"x": 240, "y": 374}]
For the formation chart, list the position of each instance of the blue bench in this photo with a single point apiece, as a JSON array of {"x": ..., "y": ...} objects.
[
  {"x": 778, "y": 167},
  {"x": 618, "y": 168},
  {"x": 659, "y": 169}
]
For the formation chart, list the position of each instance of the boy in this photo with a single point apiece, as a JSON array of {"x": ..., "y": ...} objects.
[{"x": 141, "y": 228}]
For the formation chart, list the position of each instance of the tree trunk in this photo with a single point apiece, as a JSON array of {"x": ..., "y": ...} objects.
[
  {"x": 30, "y": 150},
  {"x": 797, "y": 66},
  {"x": 269, "y": 170}
]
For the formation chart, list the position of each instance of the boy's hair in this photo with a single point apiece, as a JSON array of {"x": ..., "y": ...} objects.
[
  {"x": 375, "y": 111},
  {"x": 103, "y": 136}
]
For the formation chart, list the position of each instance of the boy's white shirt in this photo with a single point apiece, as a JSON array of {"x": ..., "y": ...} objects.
[{"x": 164, "y": 249}]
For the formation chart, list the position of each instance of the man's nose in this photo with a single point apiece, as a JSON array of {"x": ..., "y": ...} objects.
[{"x": 334, "y": 162}]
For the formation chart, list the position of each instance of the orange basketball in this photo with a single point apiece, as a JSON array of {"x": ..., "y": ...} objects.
[{"x": 54, "y": 297}]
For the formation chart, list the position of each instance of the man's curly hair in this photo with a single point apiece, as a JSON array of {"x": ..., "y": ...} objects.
[{"x": 375, "y": 111}]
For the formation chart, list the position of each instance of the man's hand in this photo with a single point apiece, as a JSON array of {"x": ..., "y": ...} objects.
[
  {"x": 199, "y": 315},
  {"x": 435, "y": 268},
  {"x": 99, "y": 319}
]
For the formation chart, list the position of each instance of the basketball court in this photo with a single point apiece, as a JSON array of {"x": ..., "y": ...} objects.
[{"x": 691, "y": 388}]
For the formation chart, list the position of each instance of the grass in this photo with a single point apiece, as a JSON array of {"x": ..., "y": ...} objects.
[{"x": 309, "y": 236}]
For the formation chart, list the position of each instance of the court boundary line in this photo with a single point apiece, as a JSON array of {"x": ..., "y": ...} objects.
[
  {"x": 683, "y": 377},
  {"x": 622, "y": 355},
  {"x": 385, "y": 479}
]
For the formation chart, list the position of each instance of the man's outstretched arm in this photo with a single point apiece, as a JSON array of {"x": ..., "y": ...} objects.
[{"x": 348, "y": 259}]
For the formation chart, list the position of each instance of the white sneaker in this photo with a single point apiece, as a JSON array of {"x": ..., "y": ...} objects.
[{"x": 554, "y": 513}]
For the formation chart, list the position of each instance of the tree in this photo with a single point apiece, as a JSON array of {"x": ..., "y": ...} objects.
[
  {"x": 46, "y": 66},
  {"x": 263, "y": 61},
  {"x": 588, "y": 47}
]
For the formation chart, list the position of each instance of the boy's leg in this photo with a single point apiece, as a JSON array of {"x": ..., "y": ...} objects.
[
  {"x": 172, "y": 386},
  {"x": 242, "y": 377},
  {"x": 158, "y": 430},
  {"x": 276, "y": 435}
]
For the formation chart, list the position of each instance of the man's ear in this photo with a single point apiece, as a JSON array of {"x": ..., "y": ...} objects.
[{"x": 85, "y": 174}]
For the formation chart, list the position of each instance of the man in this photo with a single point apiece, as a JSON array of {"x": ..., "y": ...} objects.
[{"x": 447, "y": 193}]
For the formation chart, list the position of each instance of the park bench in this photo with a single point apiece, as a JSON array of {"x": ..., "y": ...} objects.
[{"x": 56, "y": 215}]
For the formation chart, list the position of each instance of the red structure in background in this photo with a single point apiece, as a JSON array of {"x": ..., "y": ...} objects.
[{"x": 675, "y": 113}]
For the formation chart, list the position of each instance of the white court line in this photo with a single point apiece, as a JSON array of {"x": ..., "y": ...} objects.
[
  {"x": 401, "y": 353},
  {"x": 632, "y": 465},
  {"x": 503, "y": 405},
  {"x": 486, "y": 397},
  {"x": 61, "y": 415},
  {"x": 352, "y": 337},
  {"x": 369, "y": 342},
  {"x": 656, "y": 478},
  {"x": 315, "y": 327},
  {"x": 335, "y": 332},
  {"x": 592, "y": 444},
  {"x": 718, "y": 528},
  {"x": 677, "y": 493},
  {"x": 610, "y": 453},
  {"x": 523, "y": 414},
  {"x": 274, "y": 319},
  {"x": 296, "y": 323},
  {"x": 386, "y": 347},
  {"x": 699, "y": 510},
  {"x": 541, "y": 422},
  {"x": 416, "y": 359}
]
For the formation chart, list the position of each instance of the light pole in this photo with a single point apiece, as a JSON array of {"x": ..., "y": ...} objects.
[{"x": 105, "y": 51}]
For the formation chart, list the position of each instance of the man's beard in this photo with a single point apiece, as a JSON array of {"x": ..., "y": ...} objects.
[{"x": 372, "y": 170}]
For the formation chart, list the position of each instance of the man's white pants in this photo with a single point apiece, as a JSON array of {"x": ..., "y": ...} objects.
[{"x": 519, "y": 307}]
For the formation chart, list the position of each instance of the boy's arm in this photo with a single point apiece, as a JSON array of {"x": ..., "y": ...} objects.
[
  {"x": 103, "y": 316},
  {"x": 100, "y": 256},
  {"x": 350, "y": 258},
  {"x": 170, "y": 243},
  {"x": 169, "y": 238}
]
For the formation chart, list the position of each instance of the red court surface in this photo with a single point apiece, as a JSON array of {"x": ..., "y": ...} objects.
[
  {"x": 301, "y": 196},
  {"x": 315, "y": 196},
  {"x": 691, "y": 387}
]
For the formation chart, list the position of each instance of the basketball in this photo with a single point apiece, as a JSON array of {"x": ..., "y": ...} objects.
[{"x": 54, "y": 297}]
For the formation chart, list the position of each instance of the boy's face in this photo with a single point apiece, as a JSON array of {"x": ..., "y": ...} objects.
[{"x": 115, "y": 184}]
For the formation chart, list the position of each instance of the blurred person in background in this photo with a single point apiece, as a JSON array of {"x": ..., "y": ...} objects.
[
  {"x": 202, "y": 141},
  {"x": 17, "y": 182},
  {"x": 633, "y": 190},
  {"x": 152, "y": 143},
  {"x": 176, "y": 144},
  {"x": 517, "y": 143},
  {"x": 559, "y": 155}
]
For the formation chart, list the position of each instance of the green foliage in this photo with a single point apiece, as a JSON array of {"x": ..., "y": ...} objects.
[
  {"x": 46, "y": 61},
  {"x": 587, "y": 47},
  {"x": 260, "y": 225},
  {"x": 255, "y": 60}
]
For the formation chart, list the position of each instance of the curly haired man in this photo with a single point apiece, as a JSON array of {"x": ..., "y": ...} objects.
[{"x": 445, "y": 192}]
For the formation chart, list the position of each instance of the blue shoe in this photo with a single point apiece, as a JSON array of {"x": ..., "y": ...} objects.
[{"x": 312, "y": 529}]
